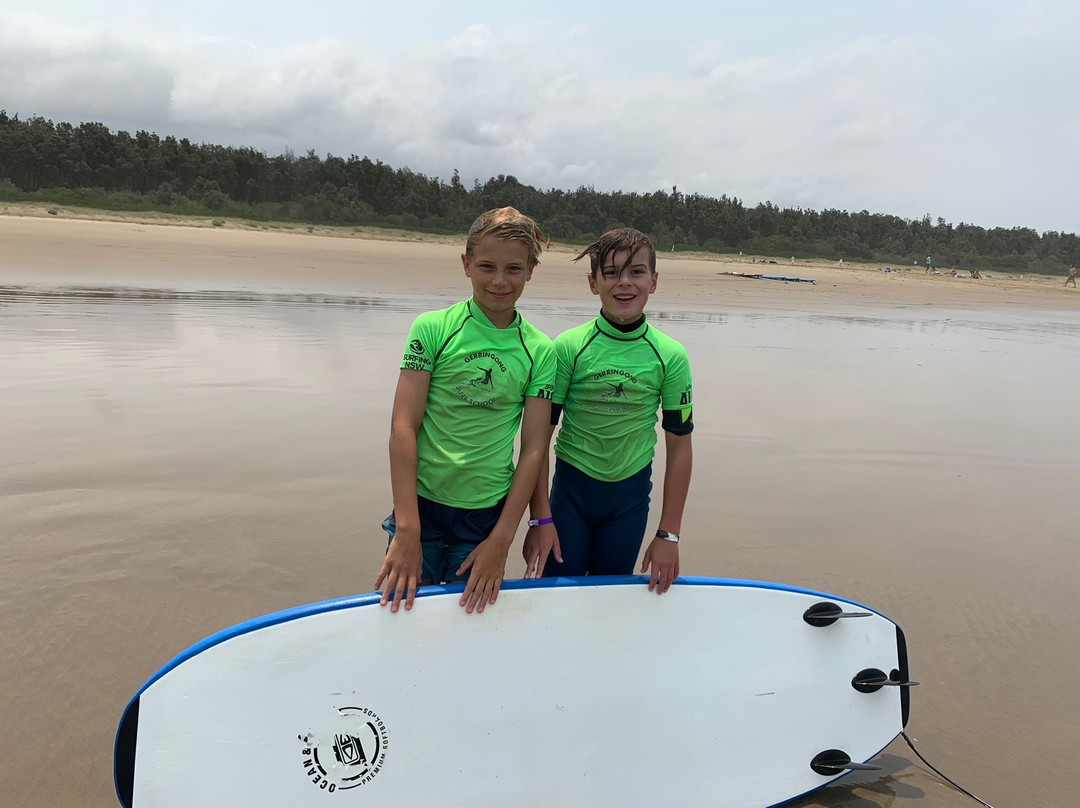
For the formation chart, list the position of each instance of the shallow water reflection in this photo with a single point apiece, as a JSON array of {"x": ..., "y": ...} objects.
[{"x": 177, "y": 461}]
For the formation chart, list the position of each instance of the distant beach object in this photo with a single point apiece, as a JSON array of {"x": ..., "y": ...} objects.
[{"x": 758, "y": 276}]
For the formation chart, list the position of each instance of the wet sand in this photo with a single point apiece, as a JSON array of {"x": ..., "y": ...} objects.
[
  {"x": 193, "y": 433},
  {"x": 85, "y": 253}
]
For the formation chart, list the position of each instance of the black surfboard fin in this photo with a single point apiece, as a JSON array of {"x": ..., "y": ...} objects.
[
  {"x": 825, "y": 614},
  {"x": 870, "y": 680},
  {"x": 832, "y": 761}
]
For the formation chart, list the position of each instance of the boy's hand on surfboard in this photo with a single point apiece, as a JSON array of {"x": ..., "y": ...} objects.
[
  {"x": 488, "y": 565},
  {"x": 663, "y": 557},
  {"x": 540, "y": 542},
  {"x": 401, "y": 571}
]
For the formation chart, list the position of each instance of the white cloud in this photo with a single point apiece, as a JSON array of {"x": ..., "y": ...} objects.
[{"x": 919, "y": 122}]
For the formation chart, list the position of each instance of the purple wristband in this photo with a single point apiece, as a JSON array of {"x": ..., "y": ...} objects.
[{"x": 547, "y": 520}]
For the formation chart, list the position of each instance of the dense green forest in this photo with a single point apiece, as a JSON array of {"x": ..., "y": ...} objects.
[{"x": 91, "y": 166}]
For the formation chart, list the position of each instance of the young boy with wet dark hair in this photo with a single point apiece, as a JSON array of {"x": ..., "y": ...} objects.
[
  {"x": 615, "y": 373},
  {"x": 471, "y": 375}
]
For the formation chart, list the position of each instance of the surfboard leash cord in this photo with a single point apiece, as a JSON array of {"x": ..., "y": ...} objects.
[{"x": 932, "y": 768}]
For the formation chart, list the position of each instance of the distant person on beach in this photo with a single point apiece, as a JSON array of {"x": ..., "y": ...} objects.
[
  {"x": 1072, "y": 277},
  {"x": 471, "y": 373},
  {"x": 929, "y": 265},
  {"x": 615, "y": 374},
  {"x": 976, "y": 274}
]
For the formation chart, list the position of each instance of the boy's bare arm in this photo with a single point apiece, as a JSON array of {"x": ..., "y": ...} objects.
[
  {"x": 542, "y": 540},
  {"x": 488, "y": 560},
  {"x": 402, "y": 566},
  {"x": 663, "y": 555}
]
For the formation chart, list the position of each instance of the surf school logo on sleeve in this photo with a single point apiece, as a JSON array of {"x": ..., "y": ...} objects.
[{"x": 346, "y": 751}]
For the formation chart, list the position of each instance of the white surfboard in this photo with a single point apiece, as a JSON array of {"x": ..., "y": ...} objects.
[{"x": 583, "y": 692}]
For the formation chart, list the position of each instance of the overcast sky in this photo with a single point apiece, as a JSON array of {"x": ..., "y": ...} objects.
[{"x": 965, "y": 110}]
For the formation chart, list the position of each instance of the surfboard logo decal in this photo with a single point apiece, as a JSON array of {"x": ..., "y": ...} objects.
[{"x": 347, "y": 751}]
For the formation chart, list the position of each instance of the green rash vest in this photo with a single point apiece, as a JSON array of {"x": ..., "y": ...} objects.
[
  {"x": 611, "y": 385},
  {"x": 480, "y": 377}
]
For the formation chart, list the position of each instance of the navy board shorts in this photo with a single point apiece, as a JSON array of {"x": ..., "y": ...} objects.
[
  {"x": 601, "y": 525},
  {"x": 448, "y": 535}
]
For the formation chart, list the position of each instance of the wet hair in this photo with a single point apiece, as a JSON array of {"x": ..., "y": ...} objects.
[
  {"x": 506, "y": 224},
  {"x": 613, "y": 241}
]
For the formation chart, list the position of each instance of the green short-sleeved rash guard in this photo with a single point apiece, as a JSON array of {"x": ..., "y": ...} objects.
[
  {"x": 480, "y": 377},
  {"x": 611, "y": 385}
]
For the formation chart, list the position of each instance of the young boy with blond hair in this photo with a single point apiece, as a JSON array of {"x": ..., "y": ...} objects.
[
  {"x": 615, "y": 373},
  {"x": 471, "y": 375}
]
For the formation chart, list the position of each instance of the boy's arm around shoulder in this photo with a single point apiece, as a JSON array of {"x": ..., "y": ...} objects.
[{"x": 401, "y": 569}]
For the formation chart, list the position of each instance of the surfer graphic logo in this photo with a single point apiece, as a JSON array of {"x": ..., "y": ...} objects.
[
  {"x": 614, "y": 396},
  {"x": 347, "y": 752},
  {"x": 479, "y": 387},
  {"x": 416, "y": 346},
  {"x": 485, "y": 379},
  {"x": 617, "y": 391}
]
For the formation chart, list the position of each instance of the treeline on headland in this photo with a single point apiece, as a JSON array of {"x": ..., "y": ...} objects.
[{"x": 89, "y": 165}]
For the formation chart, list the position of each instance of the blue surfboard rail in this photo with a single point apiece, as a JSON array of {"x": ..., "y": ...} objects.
[{"x": 127, "y": 730}]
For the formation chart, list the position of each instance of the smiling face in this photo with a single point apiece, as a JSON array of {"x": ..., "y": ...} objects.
[
  {"x": 624, "y": 283},
  {"x": 499, "y": 270}
]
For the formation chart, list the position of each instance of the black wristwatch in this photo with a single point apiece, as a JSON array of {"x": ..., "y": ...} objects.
[{"x": 671, "y": 537}]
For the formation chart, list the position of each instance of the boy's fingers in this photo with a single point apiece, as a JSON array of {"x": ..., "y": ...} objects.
[
  {"x": 488, "y": 595},
  {"x": 532, "y": 565},
  {"x": 668, "y": 576},
  {"x": 387, "y": 580},
  {"x": 468, "y": 562},
  {"x": 395, "y": 604},
  {"x": 556, "y": 550},
  {"x": 467, "y": 594},
  {"x": 481, "y": 600},
  {"x": 411, "y": 596}
]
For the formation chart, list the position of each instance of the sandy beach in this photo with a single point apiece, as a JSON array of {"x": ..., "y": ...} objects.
[
  {"x": 193, "y": 426},
  {"x": 140, "y": 251}
]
